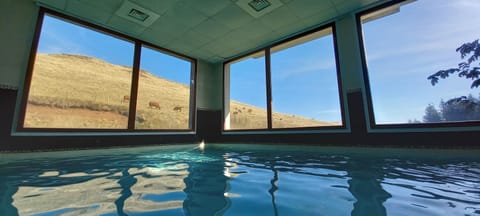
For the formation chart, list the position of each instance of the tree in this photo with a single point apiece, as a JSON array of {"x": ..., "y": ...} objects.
[
  {"x": 461, "y": 109},
  {"x": 431, "y": 115},
  {"x": 467, "y": 69},
  {"x": 414, "y": 121}
]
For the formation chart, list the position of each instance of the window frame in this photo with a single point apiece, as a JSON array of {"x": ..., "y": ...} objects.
[
  {"x": 366, "y": 80},
  {"x": 268, "y": 84},
  {"x": 137, "y": 44}
]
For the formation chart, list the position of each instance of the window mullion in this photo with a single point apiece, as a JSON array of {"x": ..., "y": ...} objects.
[
  {"x": 134, "y": 89},
  {"x": 268, "y": 87}
]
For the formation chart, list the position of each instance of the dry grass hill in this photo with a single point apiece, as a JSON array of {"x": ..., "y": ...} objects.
[{"x": 72, "y": 91}]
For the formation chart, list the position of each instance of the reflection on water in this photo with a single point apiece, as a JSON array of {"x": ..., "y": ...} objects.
[{"x": 240, "y": 180}]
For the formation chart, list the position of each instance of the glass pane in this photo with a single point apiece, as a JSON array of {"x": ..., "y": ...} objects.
[
  {"x": 248, "y": 101},
  {"x": 81, "y": 79},
  {"x": 163, "y": 91},
  {"x": 407, "y": 44},
  {"x": 305, "y": 83}
]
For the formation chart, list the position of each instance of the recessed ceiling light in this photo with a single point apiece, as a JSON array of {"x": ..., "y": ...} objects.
[{"x": 259, "y": 5}]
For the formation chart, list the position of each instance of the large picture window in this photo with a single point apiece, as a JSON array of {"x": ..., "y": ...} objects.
[
  {"x": 163, "y": 91},
  {"x": 247, "y": 106},
  {"x": 292, "y": 84},
  {"x": 83, "y": 77},
  {"x": 305, "y": 82},
  {"x": 421, "y": 60}
]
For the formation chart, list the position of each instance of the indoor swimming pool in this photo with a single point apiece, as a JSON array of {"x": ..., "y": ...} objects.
[{"x": 241, "y": 179}]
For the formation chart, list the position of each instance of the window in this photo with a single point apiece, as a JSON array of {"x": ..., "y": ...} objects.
[
  {"x": 82, "y": 77},
  {"x": 409, "y": 48},
  {"x": 293, "y": 84},
  {"x": 304, "y": 82},
  {"x": 163, "y": 91},
  {"x": 247, "y": 106}
]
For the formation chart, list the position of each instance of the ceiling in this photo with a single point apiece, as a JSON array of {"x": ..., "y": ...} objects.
[{"x": 212, "y": 30}]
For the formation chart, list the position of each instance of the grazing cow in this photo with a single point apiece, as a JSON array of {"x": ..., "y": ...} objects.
[
  {"x": 177, "y": 108},
  {"x": 153, "y": 105},
  {"x": 126, "y": 99}
]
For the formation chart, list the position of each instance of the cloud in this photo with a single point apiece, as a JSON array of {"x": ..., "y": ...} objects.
[
  {"x": 428, "y": 29},
  {"x": 53, "y": 42},
  {"x": 59, "y": 37},
  {"x": 305, "y": 66},
  {"x": 471, "y": 4}
]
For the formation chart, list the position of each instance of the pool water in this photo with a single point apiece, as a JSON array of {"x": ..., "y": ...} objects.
[{"x": 222, "y": 179}]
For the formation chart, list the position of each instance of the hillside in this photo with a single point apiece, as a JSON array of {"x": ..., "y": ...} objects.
[{"x": 72, "y": 91}]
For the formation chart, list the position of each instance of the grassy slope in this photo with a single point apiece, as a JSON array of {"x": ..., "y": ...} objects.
[{"x": 66, "y": 88}]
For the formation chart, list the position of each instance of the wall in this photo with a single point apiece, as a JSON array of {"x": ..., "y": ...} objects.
[
  {"x": 209, "y": 85},
  {"x": 358, "y": 129},
  {"x": 209, "y": 100},
  {"x": 17, "y": 21},
  {"x": 18, "y": 24}
]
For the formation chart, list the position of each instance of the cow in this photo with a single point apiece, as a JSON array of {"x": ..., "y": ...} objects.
[
  {"x": 153, "y": 105},
  {"x": 126, "y": 99},
  {"x": 177, "y": 108}
]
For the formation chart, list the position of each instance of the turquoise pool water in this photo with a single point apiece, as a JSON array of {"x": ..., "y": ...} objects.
[{"x": 241, "y": 180}]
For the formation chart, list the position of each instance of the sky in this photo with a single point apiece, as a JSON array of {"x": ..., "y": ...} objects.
[
  {"x": 402, "y": 50},
  {"x": 304, "y": 81},
  {"x": 60, "y": 37}
]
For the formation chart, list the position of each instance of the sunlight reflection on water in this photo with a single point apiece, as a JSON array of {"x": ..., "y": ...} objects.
[{"x": 240, "y": 180}]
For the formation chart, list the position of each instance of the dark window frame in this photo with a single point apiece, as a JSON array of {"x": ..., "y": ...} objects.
[
  {"x": 366, "y": 79},
  {"x": 266, "y": 51},
  {"x": 134, "y": 80}
]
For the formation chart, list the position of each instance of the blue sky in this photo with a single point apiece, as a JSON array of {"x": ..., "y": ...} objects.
[
  {"x": 402, "y": 50},
  {"x": 61, "y": 37},
  {"x": 304, "y": 81}
]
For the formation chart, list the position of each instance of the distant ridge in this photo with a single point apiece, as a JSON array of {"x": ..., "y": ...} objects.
[{"x": 71, "y": 81}]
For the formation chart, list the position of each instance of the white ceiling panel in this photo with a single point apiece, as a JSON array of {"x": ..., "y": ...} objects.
[
  {"x": 88, "y": 12},
  {"x": 211, "y": 30},
  {"x": 307, "y": 8},
  {"x": 209, "y": 7},
  {"x": 233, "y": 16},
  {"x": 183, "y": 14},
  {"x": 159, "y": 6},
  {"x": 281, "y": 17},
  {"x": 103, "y": 5},
  {"x": 125, "y": 26},
  {"x": 58, "y": 4}
]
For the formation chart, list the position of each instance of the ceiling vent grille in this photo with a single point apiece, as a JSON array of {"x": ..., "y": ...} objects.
[
  {"x": 137, "y": 14},
  {"x": 258, "y": 8},
  {"x": 259, "y": 5}
]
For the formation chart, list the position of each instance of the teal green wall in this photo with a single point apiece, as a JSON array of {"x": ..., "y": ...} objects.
[
  {"x": 17, "y": 21},
  {"x": 349, "y": 58},
  {"x": 349, "y": 53},
  {"x": 209, "y": 85}
]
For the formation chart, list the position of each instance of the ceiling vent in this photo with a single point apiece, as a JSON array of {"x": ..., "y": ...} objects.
[
  {"x": 258, "y": 8},
  {"x": 137, "y": 14},
  {"x": 259, "y": 5}
]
